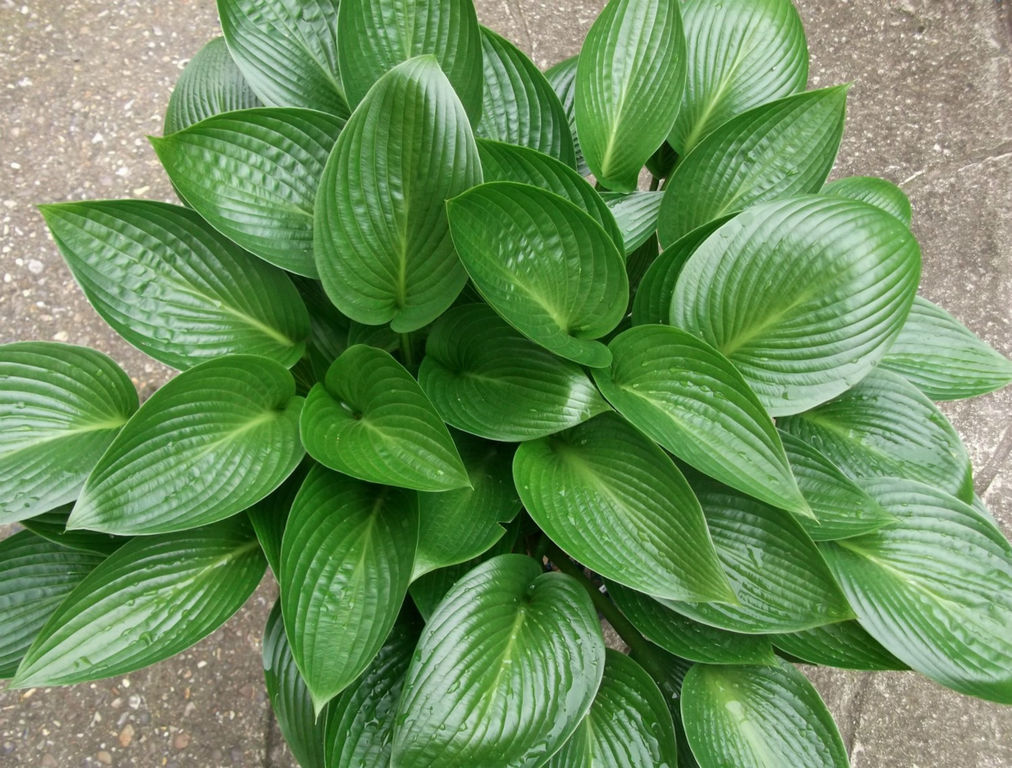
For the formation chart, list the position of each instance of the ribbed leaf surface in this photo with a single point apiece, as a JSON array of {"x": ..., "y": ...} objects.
[
  {"x": 636, "y": 216},
  {"x": 52, "y": 526},
  {"x": 270, "y": 515},
  {"x": 878, "y": 192},
  {"x": 843, "y": 644},
  {"x": 562, "y": 77}
]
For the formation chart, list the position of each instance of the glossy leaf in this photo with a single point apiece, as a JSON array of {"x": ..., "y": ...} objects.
[
  {"x": 843, "y": 644},
  {"x": 758, "y": 717},
  {"x": 345, "y": 567},
  {"x": 636, "y": 216},
  {"x": 150, "y": 599},
  {"x": 60, "y": 407},
  {"x": 382, "y": 244},
  {"x": 935, "y": 589},
  {"x": 629, "y": 82},
  {"x": 175, "y": 288},
  {"x": 773, "y": 151},
  {"x": 512, "y": 648},
  {"x": 253, "y": 176},
  {"x": 742, "y": 53},
  {"x": 846, "y": 274},
  {"x": 562, "y": 77},
  {"x": 52, "y": 526},
  {"x": 684, "y": 394},
  {"x": 210, "y": 443},
  {"x": 614, "y": 501},
  {"x": 668, "y": 671},
  {"x": 370, "y": 419},
  {"x": 878, "y": 192},
  {"x": 485, "y": 378},
  {"x": 543, "y": 264},
  {"x": 270, "y": 515}
]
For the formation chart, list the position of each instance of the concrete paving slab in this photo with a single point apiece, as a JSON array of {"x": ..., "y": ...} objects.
[{"x": 82, "y": 82}]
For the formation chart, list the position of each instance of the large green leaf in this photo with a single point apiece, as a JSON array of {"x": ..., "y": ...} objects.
[
  {"x": 345, "y": 567},
  {"x": 688, "y": 397},
  {"x": 485, "y": 378},
  {"x": 614, "y": 501},
  {"x": 543, "y": 264},
  {"x": 287, "y": 51},
  {"x": 383, "y": 247},
  {"x": 843, "y": 644},
  {"x": 210, "y": 443},
  {"x": 173, "y": 287},
  {"x": 388, "y": 32},
  {"x": 758, "y": 717},
  {"x": 628, "y": 726},
  {"x": 562, "y": 77},
  {"x": 846, "y": 275},
  {"x": 629, "y": 83},
  {"x": 772, "y": 151},
  {"x": 505, "y": 670},
  {"x": 35, "y": 576},
  {"x": 370, "y": 419},
  {"x": 270, "y": 515},
  {"x": 152, "y": 598},
  {"x": 253, "y": 176},
  {"x": 869, "y": 189},
  {"x": 209, "y": 84},
  {"x": 519, "y": 105},
  {"x": 935, "y": 589},
  {"x": 60, "y": 407},
  {"x": 668, "y": 671},
  {"x": 636, "y": 216},
  {"x": 943, "y": 358},
  {"x": 742, "y": 53},
  {"x": 52, "y": 525},
  {"x": 885, "y": 427}
]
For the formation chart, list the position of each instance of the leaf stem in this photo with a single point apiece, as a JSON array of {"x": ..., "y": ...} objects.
[
  {"x": 408, "y": 351},
  {"x": 655, "y": 183}
]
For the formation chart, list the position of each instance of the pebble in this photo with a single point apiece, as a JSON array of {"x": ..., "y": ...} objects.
[
  {"x": 104, "y": 758},
  {"x": 48, "y": 761},
  {"x": 182, "y": 740},
  {"x": 126, "y": 735}
]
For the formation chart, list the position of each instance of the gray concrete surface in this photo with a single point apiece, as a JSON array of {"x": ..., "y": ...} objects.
[{"x": 82, "y": 82}]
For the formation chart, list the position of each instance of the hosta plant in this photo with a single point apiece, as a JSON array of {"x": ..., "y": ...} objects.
[{"x": 472, "y": 356}]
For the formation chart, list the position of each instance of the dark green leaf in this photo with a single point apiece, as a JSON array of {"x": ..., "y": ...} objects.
[
  {"x": 668, "y": 672},
  {"x": 878, "y": 192},
  {"x": 843, "y": 644},
  {"x": 636, "y": 215},
  {"x": 562, "y": 77},
  {"x": 269, "y": 515},
  {"x": 52, "y": 525}
]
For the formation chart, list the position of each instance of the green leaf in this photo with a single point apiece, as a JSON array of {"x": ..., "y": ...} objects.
[
  {"x": 370, "y": 419},
  {"x": 485, "y": 378},
  {"x": 628, "y": 725},
  {"x": 668, "y": 671},
  {"x": 345, "y": 567},
  {"x": 935, "y": 589},
  {"x": 773, "y": 151},
  {"x": 543, "y": 264},
  {"x": 685, "y": 395},
  {"x": 562, "y": 77},
  {"x": 35, "y": 576},
  {"x": 629, "y": 82},
  {"x": 614, "y": 501},
  {"x": 270, "y": 515},
  {"x": 519, "y": 105},
  {"x": 846, "y": 275},
  {"x": 758, "y": 717},
  {"x": 287, "y": 52},
  {"x": 383, "y": 246},
  {"x": 885, "y": 427},
  {"x": 515, "y": 649},
  {"x": 173, "y": 287},
  {"x": 742, "y": 53},
  {"x": 150, "y": 599},
  {"x": 636, "y": 215},
  {"x": 52, "y": 526},
  {"x": 878, "y": 192},
  {"x": 389, "y": 32},
  {"x": 943, "y": 358},
  {"x": 686, "y": 638},
  {"x": 253, "y": 176},
  {"x": 60, "y": 407},
  {"x": 843, "y": 644},
  {"x": 289, "y": 696},
  {"x": 210, "y": 443},
  {"x": 210, "y": 84}
]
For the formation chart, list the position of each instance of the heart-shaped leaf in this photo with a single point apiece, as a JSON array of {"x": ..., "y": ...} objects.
[
  {"x": 758, "y": 716},
  {"x": 843, "y": 644},
  {"x": 150, "y": 599},
  {"x": 878, "y": 192},
  {"x": 370, "y": 419},
  {"x": 935, "y": 589},
  {"x": 262, "y": 200},
  {"x": 60, "y": 407},
  {"x": 175, "y": 288},
  {"x": 629, "y": 83},
  {"x": 773, "y": 151},
  {"x": 543, "y": 264},
  {"x": 345, "y": 567},
  {"x": 684, "y": 394},
  {"x": 846, "y": 274},
  {"x": 382, "y": 244},
  {"x": 485, "y": 378},
  {"x": 520, "y": 650},
  {"x": 562, "y": 77},
  {"x": 52, "y": 526},
  {"x": 614, "y": 501},
  {"x": 210, "y": 443},
  {"x": 636, "y": 216},
  {"x": 742, "y": 53},
  {"x": 389, "y": 32},
  {"x": 287, "y": 52}
]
